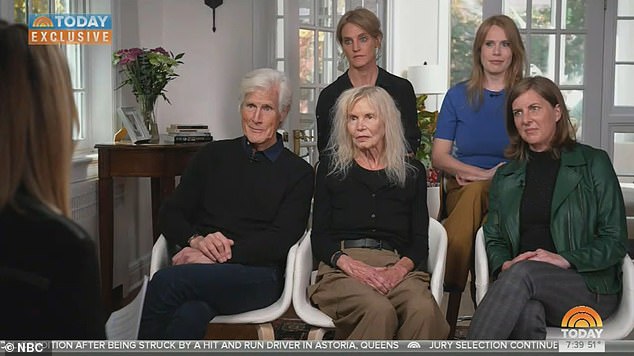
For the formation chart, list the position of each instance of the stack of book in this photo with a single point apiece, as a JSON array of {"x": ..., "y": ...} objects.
[{"x": 184, "y": 133}]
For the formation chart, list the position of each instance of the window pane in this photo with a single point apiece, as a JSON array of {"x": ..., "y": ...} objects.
[
  {"x": 306, "y": 101},
  {"x": 574, "y": 15},
  {"x": 326, "y": 13},
  {"x": 79, "y": 102},
  {"x": 324, "y": 48},
  {"x": 306, "y": 12},
  {"x": 626, "y": 8},
  {"x": 624, "y": 43},
  {"x": 372, "y": 5},
  {"x": 572, "y": 59},
  {"x": 279, "y": 43},
  {"x": 516, "y": 9},
  {"x": 38, "y": 7},
  {"x": 574, "y": 103},
  {"x": 19, "y": 11},
  {"x": 280, "y": 7},
  {"x": 623, "y": 85},
  {"x": 466, "y": 16},
  {"x": 543, "y": 14},
  {"x": 62, "y": 6},
  {"x": 542, "y": 55},
  {"x": 327, "y": 73},
  {"x": 623, "y": 152},
  {"x": 73, "y": 55},
  {"x": 306, "y": 56}
]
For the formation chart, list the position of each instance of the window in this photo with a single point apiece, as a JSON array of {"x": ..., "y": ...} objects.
[
  {"x": 74, "y": 53},
  {"x": 90, "y": 70}
]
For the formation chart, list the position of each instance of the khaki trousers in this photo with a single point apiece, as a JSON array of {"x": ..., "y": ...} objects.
[
  {"x": 466, "y": 208},
  {"x": 407, "y": 312}
]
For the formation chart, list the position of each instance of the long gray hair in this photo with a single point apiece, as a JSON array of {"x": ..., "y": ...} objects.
[{"x": 341, "y": 147}]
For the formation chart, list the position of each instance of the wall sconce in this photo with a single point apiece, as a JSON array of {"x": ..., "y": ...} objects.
[{"x": 213, "y": 4}]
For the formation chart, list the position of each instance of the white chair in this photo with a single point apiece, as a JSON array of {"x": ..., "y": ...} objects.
[
  {"x": 305, "y": 275},
  {"x": 617, "y": 326},
  {"x": 261, "y": 317}
]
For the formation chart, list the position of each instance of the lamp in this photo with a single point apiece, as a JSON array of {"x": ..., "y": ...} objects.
[{"x": 427, "y": 80}]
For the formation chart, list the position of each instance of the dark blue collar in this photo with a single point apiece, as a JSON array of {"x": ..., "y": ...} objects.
[{"x": 271, "y": 153}]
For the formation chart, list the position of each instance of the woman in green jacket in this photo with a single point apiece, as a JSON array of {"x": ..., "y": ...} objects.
[{"x": 555, "y": 234}]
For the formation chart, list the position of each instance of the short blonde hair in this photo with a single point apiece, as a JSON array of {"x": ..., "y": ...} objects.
[
  {"x": 363, "y": 18},
  {"x": 341, "y": 147},
  {"x": 37, "y": 118}
]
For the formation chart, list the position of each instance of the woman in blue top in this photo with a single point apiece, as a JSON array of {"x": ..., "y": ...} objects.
[{"x": 470, "y": 140}]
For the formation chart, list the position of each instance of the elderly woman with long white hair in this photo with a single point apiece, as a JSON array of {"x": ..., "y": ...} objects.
[{"x": 370, "y": 226}]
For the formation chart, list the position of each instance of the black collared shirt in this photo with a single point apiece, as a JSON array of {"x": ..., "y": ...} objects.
[
  {"x": 399, "y": 88},
  {"x": 271, "y": 153}
]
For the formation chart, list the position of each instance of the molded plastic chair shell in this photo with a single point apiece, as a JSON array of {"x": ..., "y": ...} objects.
[
  {"x": 261, "y": 317},
  {"x": 305, "y": 275}
]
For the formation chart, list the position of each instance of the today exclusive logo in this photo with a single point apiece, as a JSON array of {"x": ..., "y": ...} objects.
[
  {"x": 582, "y": 322},
  {"x": 56, "y": 29}
]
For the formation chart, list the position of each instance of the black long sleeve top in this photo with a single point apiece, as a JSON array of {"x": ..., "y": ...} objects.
[
  {"x": 261, "y": 201},
  {"x": 49, "y": 276},
  {"x": 363, "y": 204},
  {"x": 399, "y": 88}
]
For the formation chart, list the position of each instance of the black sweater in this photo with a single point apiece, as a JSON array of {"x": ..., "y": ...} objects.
[
  {"x": 49, "y": 276},
  {"x": 261, "y": 205},
  {"x": 399, "y": 88},
  {"x": 365, "y": 205}
]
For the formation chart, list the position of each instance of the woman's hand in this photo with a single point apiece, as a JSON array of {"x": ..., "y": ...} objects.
[
  {"x": 392, "y": 275},
  {"x": 482, "y": 174},
  {"x": 364, "y": 273},
  {"x": 215, "y": 246},
  {"x": 538, "y": 255},
  {"x": 189, "y": 255},
  {"x": 549, "y": 257}
]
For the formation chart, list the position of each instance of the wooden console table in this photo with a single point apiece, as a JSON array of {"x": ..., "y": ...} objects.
[{"x": 161, "y": 162}]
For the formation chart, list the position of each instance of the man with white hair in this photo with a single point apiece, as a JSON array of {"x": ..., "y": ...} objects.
[{"x": 241, "y": 204}]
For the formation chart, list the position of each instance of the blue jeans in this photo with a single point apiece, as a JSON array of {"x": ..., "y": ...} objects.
[{"x": 182, "y": 299}]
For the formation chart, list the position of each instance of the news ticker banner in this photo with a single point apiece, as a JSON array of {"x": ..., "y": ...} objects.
[{"x": 123, "y": 347}]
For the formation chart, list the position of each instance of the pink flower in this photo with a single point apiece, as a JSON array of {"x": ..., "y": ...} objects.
[{"x": 160, "y": 50}]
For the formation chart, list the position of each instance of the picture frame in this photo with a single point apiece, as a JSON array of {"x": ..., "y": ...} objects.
[{"x": 133, "y": 123}]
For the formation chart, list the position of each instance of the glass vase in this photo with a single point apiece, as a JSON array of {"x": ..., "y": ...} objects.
[{"x": 147, "y": 105}]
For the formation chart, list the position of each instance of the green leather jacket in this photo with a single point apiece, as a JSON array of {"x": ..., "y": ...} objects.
[{"x": 587, "y": 220}]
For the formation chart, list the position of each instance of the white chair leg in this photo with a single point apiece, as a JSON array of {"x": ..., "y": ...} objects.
[
  {"x": 316, "y": 334},
  {"x": 265, "y": 331}
]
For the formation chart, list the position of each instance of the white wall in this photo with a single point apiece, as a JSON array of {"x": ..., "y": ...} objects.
[{"x": 419, "y": 32}]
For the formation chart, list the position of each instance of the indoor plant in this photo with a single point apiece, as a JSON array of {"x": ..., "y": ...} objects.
[
  {"x": 427, "y": 125},
  {"x": 147, "y": 71}
]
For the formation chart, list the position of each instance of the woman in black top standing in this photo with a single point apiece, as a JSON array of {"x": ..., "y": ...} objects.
[{"x": 359, "y": 35}]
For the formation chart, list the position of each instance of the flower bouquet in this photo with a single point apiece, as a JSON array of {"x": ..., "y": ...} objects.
[{"x": 147, "y": 71}]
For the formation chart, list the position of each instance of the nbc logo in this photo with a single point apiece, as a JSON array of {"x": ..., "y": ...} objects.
[
  {"x": 582, "y": 322},
  {"x": 42, "y": 21},
  {"x": 413, "y": 345}
]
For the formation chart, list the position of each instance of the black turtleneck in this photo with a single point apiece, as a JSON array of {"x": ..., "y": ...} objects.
[{"x": 541, "y": 175}]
